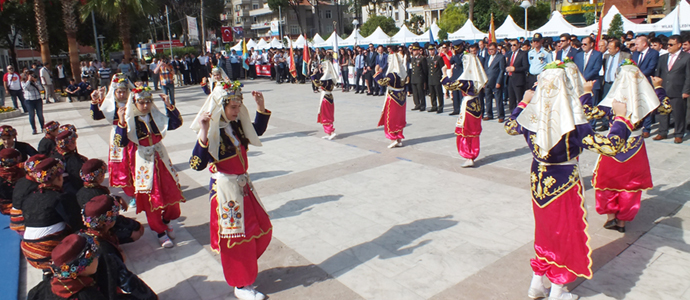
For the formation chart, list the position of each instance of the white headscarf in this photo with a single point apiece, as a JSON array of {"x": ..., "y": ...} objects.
[
  {"x": 329, "y": 72},
  {"x": 214, "y": 106},
  {"x": 575, "y": 77},
  {"x": 554, "y": 110},
  {"x": 132, "y": 111},
  {"x": 473, "y": 71},
  {"x": 109, "y": 105},
  {"x": 632, "y": 87},
  {"x": 396, "y": 65}
]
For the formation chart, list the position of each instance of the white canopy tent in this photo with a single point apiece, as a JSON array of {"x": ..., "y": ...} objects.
[
  {"x": 467, "y": 32},
  {"x": 556, "y": 26},
  {"x": 378, "y": 37},
  {"x": 262, "y": 45},
  {"x": 237, "y": 47},
  {"x": 355, "y": 37},
  {"x": 404, "y": 35},
  {"x": 275, "y": 43},
  {"x": 666, "y": 24},
  {"x": 300, "y": 42},
  {"x": 594, "y": 28},
  {"x": 251, "y": 44},
  {"x": 329, "y": 42},
  {"x": 424, "y": 37},
  {"x": 509, "y": 29},
  {"x": 317, "y": 40}
]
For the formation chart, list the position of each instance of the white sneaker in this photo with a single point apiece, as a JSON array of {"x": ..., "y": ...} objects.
[
  {"x": 394, "y": 144},
  {"x": 165, "y": 241},
  {"x": 565, "y": 296},
  {"x": 169, "y": 232},
  {"x": 331, "y": 136},
  {"x": 537, "y": 293},
  {"x": 326, "y": 136},
  {"x": 468, "y": 163},
  {"x": 248, "y": 293}
]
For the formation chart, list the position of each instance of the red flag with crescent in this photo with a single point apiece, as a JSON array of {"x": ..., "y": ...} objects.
[{"x": 227, "y": 34}]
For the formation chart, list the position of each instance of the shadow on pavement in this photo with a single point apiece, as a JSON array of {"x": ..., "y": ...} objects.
[
  {"x": 492, "y": 158},
  {"x": 197, "y": 283},
  {"x": 429, "y": 139},
  {"x": 288, "y": 135},
  {"x": 268, "y": 174},
  {"x": 299, "y": 206},
  {"x": 283, "y": 278}
]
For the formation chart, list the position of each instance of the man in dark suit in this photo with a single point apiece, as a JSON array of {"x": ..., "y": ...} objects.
[
  {"x": 566, "y": 48},
  {"x": 420, "y": 69},
  {"x": 456, "y": 62},
  {"x": 436, "y": 64},
  {"x": 612, "y": 61},
  {"x": 494, "y": 67},
  {"x": 646, "y": 59},
  {"x": 370, "y": 65},
  {"x": 674, "y": 69},
  {"x": 589, "y": 61},
  {"x": 381, "y": 62},
  {"x": 517, "y": 66},
  {"x": 482, "y": 51}
]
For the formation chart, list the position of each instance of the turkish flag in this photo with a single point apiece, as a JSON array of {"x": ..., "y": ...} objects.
[{"x": 227, "y": 34}]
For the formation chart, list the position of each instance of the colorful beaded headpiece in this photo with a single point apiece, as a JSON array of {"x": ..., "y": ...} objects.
[
  {"x": 71, "y": 269},
  {"x": 120, "y": 81},
  {"x": 92, "y": 169},
  {"x": 142, "y": 93},
  {"x": 7, "y": 130},
  {"x": 100, "y": 211},
  {"x": 51, "y": 126},
  {"x": 33, "y": 161},
  {"x": 9, "y": 157},
  {"x": 69, "y": 127},
  {"x": 628, "y": 62},
  {"x": 65, "y": 138},
  {"x": 48, "y": 169},
  {"x": 233, "y": 91}
]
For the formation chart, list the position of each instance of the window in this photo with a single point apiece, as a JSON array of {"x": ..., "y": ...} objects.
[
  {"x": 328, "y": 14},
  {"x": 294, "y": 29},
  {"x": 238, "y": 7},
  {"x": 255, "y": 6},
  {"x": 329, "y": 28},
  {"x": 254, "y": 20}
]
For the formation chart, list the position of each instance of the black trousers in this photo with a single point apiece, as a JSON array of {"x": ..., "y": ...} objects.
[
  {"x": 436, "y": 95},
  {"x": 418, "y": 96},
  {"x": 491, "y": 93},
  {"x": 516, "y": 93},
  {"x": 358, "y": 76},
  {"x": 679, "y": 106},
  {"x": 457, "y": 100}
]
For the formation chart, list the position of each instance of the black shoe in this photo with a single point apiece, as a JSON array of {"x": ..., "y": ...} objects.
[
  {"x": 621, "y": 229},
  {"x": 455, "y": 113},
  {"x": 35, "y": 132},
  {"x": 440, "y": 111},
  {"x": 416, "y": 108},
  {"x": 376, "y": 93},
  {"x": 369, "y": 94},
  {"x": 612, "y": 224},
  {"x": 422, "y": 109},
  {"x": 433, "y": 109}
]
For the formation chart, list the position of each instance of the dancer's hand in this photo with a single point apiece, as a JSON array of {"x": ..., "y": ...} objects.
[
  {"x": 259, "y": 98},
  {"x": 527, "y": 98},
  {"x": 204, "y": 123},
  {"x": 166, "y": 100},
  {"x": 204, "y": 80},
  {"x": 96, "y": 97},
  {"x": 588, "y": 86},
  {"x": 121, "y": 114},
  {"x": 619, "y": 108},
  {"x": 657, "y": 81}
]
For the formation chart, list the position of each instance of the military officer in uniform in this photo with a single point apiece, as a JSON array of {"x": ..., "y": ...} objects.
[
  {"x": 456, "y": 61},
  {"x": 420, "y": 69},
  {"x": 435, "y": 72}
]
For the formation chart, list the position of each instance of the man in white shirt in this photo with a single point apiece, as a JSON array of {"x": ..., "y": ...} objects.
[
  {"x": 155, "y": 77},
  {"x": 61, "y": 76},
  {"x": 47, "y": 83},
  {"x": 656, "y": 44},
  {"x": 13, "y": 86}
]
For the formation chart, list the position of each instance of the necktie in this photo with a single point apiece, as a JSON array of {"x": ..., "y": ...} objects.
[
  {"x": 512, "y": 60},
  {"x": 586, "y": 60},
  {"x": 610, "y": 73},
  {"x": 640, "y": 58},
  {"x": 671, "y": 60}
]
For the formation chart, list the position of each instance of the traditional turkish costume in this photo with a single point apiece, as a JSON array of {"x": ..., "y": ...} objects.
[
  {"x": 118, "y": 161},
  {"x": 211, "y": 83},
  {"x": 156, "y": 187},
  {"x": 47, "y": 144},
  {"x": 72, "y": 159},
  {"x": 556, "y": 130},
  {"x": 469, "y": 124},
  {"x": 25, "y": 149},
  {"x": 22, "y": 189},
  {"x": 394, "y": 112},
  {"x": 326, "y": 82},
  {"x": 10, "y": 172},
  {"x": 240, "y": 227},
  {"x": 619, "y": 180}
]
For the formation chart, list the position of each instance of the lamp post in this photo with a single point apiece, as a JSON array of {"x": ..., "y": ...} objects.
[
  {"x": 355, "y": 23},
  {"x": 525, "y": 4},
  {"x": 102, "y": 49}
]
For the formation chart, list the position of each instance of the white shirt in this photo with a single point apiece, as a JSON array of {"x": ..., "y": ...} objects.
[
  {"x": 61, "y": 72},
  {"x": 587, "y": 55},
  {"x": 13, "y": 82},
  {"x": 491, "y": 59},
  {"x": 45, "y": 76},
  {"x": 662, "y": 51}
]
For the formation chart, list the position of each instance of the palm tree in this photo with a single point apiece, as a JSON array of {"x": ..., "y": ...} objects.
[
  {"x": 471, "y": 10},
  {"x": 42, "y": 29},
  {"x": 118, "y": 11},
  {"x": 69, "y": 17}
]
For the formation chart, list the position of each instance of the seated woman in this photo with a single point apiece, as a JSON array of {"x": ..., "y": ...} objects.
[
  {"x": 10, "y": 173},
  {"x": 101, "y": 214},
  {"x": 47, "y": 144},
  {"x": 22, "y": 189},
  {"x": 67, "y": 152},
  {"x": 126, "y": 230},
  {"x": 49, "y": 214},
  {"x": 8, "y": 136},
  {"x": 75, "y": 261}
]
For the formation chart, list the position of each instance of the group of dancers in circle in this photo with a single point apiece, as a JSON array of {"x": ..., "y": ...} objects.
[{"x": 72, "y": 229}]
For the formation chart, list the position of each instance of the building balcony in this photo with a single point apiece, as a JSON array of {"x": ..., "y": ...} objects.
[
  {"x": 260, "y": 12},
  {"x": 264, "y": 25},
  {"x": 239, "y": 2}
]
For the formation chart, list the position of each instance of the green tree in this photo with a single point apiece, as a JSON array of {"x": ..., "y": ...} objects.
[
  {"x": 442, "y": 36},
  {"x": 616, "y": 27},
  {"x": 120, "y": 11},
  {"x": 415, "y": 24},
  {"x": 483, "y": 10},
  {"x": 452, "y": 19},
  {"x": 387, "y": 25},
  {"x": 537, "y": 15},
  {"x": 590, "y": 17},
  {"x": 19, "y": 16},
  {"x": 274, "y": 5}
]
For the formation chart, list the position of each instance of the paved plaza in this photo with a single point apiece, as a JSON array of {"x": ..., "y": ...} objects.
[{"x": 355, "y": 220}]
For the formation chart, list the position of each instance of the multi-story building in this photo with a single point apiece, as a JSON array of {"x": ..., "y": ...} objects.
[
  {"x": 431, "y": 12},
  {"x": 647, "y": 11}
]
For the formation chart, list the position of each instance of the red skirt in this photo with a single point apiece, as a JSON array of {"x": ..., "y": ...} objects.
[
  {"x": 631, "y": 175},
  {"x": 561, "y": 242},
  {"x": 165, "y": 190},
  {"x": 468, "y": 136},
  {"x": 393, "y": 119},
  {"x": 327, "y": 116},
  {"x": 239, "y": 256}
]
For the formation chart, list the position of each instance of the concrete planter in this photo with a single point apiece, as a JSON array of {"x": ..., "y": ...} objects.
[{"x": 10, "y": 114}]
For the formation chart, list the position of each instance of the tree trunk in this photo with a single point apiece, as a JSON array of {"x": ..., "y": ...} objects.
[
  {"x": 299, "y": 20},
  {"x": 553, "y": 5},
  {"x": 472, "y": 10},
  {"x": 69, "y": 18},
  {"x": 124, "y": 34},
  {"x": 42, "y": 30},
  {"x": 405, "y": 3}
]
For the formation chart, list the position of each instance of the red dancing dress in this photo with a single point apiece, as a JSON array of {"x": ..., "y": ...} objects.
[
  {"x": 394, "y": 113},
  {"x": 326, "y": 115}
]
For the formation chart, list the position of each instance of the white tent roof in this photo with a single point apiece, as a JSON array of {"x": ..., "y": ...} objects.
[
  {"x": 378, "y": 37},
  {"x": 275, "y": 43},
  {"x": 300, "y": 42},
  {"x": 251, "y": 43},
  {"x": 594, "y": 28},
  {"x": 317, "y": 40},
  {"x": 424, "y": 37},
  {"x": 666, "y": 24},
  {"x": 556, "y": 26},
  {"x": 262, "y": 45},
  {"x": 329, "y": 42},
  {"x": 404, "y": 35},
  {"x": 237, "y": 47},
  {"x": 467, "y": 32},
  {"x": 509, "y": 29},
  {"x": 350, "y": 40}
]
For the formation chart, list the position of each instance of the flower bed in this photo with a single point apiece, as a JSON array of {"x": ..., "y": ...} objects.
[{"x": 7, "y": 112}]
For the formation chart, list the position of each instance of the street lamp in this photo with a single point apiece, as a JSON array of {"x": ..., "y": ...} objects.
[
  {"x": 525, "y": 4},
  {"x": 102, "y": 49},
  {"x": 355, "y": 23}
]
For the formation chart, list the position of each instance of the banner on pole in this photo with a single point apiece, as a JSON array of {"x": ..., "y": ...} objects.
[
  {"x": 227, "y": 34},
  {"x": 239, "y": 31},
  {"x": 192, "y": 29},
  {"x": 275, "y": 31}
]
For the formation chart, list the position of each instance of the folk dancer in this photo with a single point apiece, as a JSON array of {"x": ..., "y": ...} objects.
[
  {"x": 240, "y": 227},
  {"x": 556, "y": 130},
  {"x": 217, "y": 77},
  {"x": 10, "y": 172},
  {"x": 393, "y": 114},
  {"x": 469, "y": 124},
  {"x": 140, "y": 130},
  {"x": 22, "y": 189},
  {"x": 618, "y": 181},
  {"x": 326, "y": 82},
  {"x": 47, "y": 144},
  {"x": 8, "y": 137}
]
